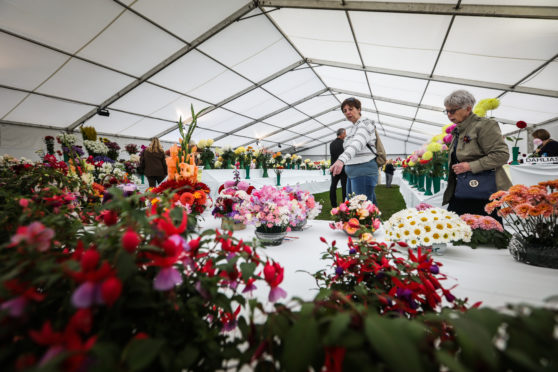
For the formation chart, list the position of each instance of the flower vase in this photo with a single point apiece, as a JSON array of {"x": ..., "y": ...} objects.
[
  {"x": 207, "y": 165},
  {"x": 242, "y": 164},
  {"x": 428, "y": 185},
  {"x": 231, "y": 225},
  {"x": 227, "y": 164},
  {"x": 299, "y": 225},
  {"x": 515, "y": 153},
  {"x": 278, "y": 179},
  {"x": 436, "y": 181},
  {"x": 271, "y": 238},
  {"x": 247, "y": 169},
  {"x": 142, "y": 179},
  {"x": 66, "y": 158},
  {"x": 298, "y": 166},
  {"x": 323, "y": 171},
  {"x": 420, "y": 183},
  {"x": 265, "y": 175},
  {"x": 533, "y": 254}
]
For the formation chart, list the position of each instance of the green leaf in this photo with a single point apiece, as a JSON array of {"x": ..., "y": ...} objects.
[
  {"x": 188, "y": 356},
  {"x": 125, "y": 266},
  {"x": 300, "y": 345},
  {"x": 247, "y": 269},
  {"x": 396, "y": 340},
  {"x": 450, "y": 361},
  {"x": 338, "y": 325},
  {"x": 141, "y": 353},
  {"x": 475, "y": 341}
]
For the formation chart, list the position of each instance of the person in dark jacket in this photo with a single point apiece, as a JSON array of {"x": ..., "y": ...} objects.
[
  {"x": 389, "y": 170},
  {"x": 545, "y": 146},
  {"x": 153, "y": 163},
  {"x": 336, "y": 149}
]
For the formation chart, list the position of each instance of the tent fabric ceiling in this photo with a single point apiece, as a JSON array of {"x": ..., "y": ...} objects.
[{"x": 274, "y": 70}]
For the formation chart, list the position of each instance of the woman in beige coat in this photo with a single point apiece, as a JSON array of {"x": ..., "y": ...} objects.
[{"x": 477, "y": 146}]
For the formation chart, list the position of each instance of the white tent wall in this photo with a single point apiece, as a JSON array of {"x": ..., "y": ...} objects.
[{"x": 23, "y": 141}]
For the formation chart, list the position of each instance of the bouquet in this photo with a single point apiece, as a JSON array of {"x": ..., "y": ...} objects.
[
  {"x": 269, "y": 209},
  {"x": 95, "y": 148},
  {"x": 231, "y": 195},
  {"x": 303, "y": 203},
  {"x": 88, "y": 133},
  {"x": 131, "y": 148},
  {"x": 113, "y": 148},
  {"x": 188, "y": 194},
  {"x": 356, "y": 215},
  {"x": 486, "y": 230},
  {"x": 206, "y": 155},
  {"x": 66, "y": 139},
  {"x": 426, "y": 227},
  {"x": 532, "y": 212}
]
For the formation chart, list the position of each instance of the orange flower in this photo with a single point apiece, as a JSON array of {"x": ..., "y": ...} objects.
[
  {"x": 520, "y": 190},
  {"x": 505, "y": 211},
  {"x": 352, "y": 226},
  {"x": 523, "y": 210},
  {"x": 553, "y": 198},
  {"x": 200, "y": 195},
  {"x": 489, "y": 208},
  {"x": 551, "y": 184},
  {"x": 498, "y": 195},
  {"x": 546, "y": 209},
  {"x": 537, "y": 210},
  {"x": 187, "y": 198}
]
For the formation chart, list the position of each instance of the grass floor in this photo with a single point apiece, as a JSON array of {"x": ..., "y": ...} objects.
[{"x": 389, "y": 202}]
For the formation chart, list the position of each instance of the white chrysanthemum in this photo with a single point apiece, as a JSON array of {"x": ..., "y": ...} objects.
[{"x": 426, "y": 239}]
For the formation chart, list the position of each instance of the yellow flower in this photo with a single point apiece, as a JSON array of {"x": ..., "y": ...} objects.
[
  {"x": 209, "y": 142},
  {"x": 202, "y": 144},
  {"x": 239, "y": 150},
  {"x": 411, "y": 164},
  {"x": 434, "y": 147},
  {"x": 427, "y": 155}
]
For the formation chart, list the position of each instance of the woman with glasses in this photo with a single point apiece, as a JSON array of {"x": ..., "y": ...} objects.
[
  {"x": 477, "y": 146},
  {"x": 359, "y": 155},
  {"x": 544, "y": 145}
]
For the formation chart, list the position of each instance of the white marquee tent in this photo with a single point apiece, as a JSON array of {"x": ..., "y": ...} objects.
[{"x": 269, "y": 72}]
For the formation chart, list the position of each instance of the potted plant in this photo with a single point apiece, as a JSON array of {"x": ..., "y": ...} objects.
[
  {"x": 304, "y": 206},
  {"x": 486, "y": 231},
  {"x": 356, "y": 216}
]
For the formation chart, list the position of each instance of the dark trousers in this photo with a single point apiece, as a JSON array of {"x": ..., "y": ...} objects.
[
  {"x": 333, "y": 188},
  {"x": 472, "y": 206},
  {"x": 155, "y": 180},
  {"x": 389, "y": 178}
]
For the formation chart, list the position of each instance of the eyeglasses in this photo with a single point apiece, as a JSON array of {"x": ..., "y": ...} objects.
[{"x": 452, "y": 111}]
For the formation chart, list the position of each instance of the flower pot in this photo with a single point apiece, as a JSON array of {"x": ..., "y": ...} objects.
[
  {"x": 533, "y": 254},
  {"x": 515, "y": 154},
  {"x": 231, "y": 225},
  {"x": 247, "y": 169},
  {"x": 274, "y": 238},
  {"x": 299, "y": 226},
  {"x": 428, "y": 185}
]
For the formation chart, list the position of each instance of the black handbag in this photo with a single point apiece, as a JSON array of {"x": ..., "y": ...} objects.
[{"x": 475, "y": 185}]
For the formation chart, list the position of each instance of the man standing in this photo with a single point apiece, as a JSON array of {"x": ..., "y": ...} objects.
[{"x": 336, "y": 149}]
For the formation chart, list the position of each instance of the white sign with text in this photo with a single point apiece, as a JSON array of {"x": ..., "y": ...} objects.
[{"x": 542, "y": 160}]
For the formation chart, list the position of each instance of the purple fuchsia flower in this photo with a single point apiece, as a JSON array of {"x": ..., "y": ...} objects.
[
  {"x": 167, "y": 279},
  {"x": 35, "y": 234}
]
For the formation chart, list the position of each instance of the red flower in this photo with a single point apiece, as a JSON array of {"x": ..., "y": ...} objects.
[
  {"x": 111, "y": 290},
  {"x": 36, "y": 234},
  {"x": 130, "y": 241},
  {"x": 273, "y": 274},
  {"x": 108, "y": 216},
  {"x": 521, "y": 124}
]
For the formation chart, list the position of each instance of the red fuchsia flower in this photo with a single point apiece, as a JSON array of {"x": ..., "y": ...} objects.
[
  {"x": 108, "y": 216},
  {"x": 273, "y": 275},
  {"x": 130, "y": 241},
  {"x": 229, "y": 320},
  {"x": 16, "y": 306},
  {"x": 111, "y": 290},
  {"x": 36, "y": 234},
  {"x": 249, "y": 286},
  {"x": 334, "y": 356},
  {"x": 23, "y": 203}
]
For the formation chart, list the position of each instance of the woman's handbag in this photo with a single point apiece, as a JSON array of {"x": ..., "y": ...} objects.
[{"x": 475, "y": 185}]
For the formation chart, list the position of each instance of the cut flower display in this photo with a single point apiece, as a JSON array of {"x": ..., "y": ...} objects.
[
  {"x": 486, "y": 230},
  {"x": 532, "y": 212},
  {"x": 357, "y": 213},
  {"x": 231, "y": 195},
  {"x": 426, "y": 227}
]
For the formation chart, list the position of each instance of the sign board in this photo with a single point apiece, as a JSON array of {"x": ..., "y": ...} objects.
[{"x": 542, "y": 160}]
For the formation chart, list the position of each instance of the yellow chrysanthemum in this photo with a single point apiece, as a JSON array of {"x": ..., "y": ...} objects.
[
  {"x": 427, "y": 155},
  {"x": 434, "y": 147}
]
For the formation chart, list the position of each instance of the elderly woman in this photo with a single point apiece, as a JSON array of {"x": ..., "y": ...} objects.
[
  {"x": 477, "y": 146},
  {"x": 544, "y": 145},
  {"x": 359, "y": 155}
]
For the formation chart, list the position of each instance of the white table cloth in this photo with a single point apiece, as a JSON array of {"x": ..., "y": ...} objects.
[
  {"x": 489, "y": 275},
  {"x": 413, "y": 197},
  {"x": 531, "y": 174}
]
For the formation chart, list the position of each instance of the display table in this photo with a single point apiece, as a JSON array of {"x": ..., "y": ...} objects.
[
  {"x": 489, "y": 275},
  {"x": 531, "y": 174},
  {"x": 413, "y": 197},
  {"x": 313, "y": 181}
]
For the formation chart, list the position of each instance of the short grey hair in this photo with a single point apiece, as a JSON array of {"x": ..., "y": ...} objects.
[
  {"x": 340, "y": 131},
  {"x": 460, "y": 99}
]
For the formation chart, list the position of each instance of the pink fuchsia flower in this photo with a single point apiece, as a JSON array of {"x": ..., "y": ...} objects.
[
  {"x": 273, "y": 275},
  {"x": 167, "y": 279},
  {"x": 36, "y": 234}
]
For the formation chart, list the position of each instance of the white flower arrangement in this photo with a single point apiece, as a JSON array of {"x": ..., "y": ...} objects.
[
  {"x": 426, "y": 227},
  {"x": 135, "y": 158},
  {"x": 95, "y": 147},
  {"x": 67, "y": 139},
  {"x": 205, "y": 143}
]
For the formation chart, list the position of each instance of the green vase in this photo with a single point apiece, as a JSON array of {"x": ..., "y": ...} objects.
[
  {"x": 247, "y": 169},
  {"x": 227, "y": 164},
  {"x": 298, "y": 166},
  {"x": 66, "y": 158},
  {"x": 428, "y": 185},
  {"x": 265, "y": 175},
  {"x": 207, "y": 165},
  {"x": 515, "y": 154},
  {"x": 278, "y": 179},
  {"x": 436, "y": 184},
  {"x": 323, "y": 171},
  {"x": 420, "y": 185},
  {"x": 142, "y": 179},
  {"x": 242, "y": 164}
]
